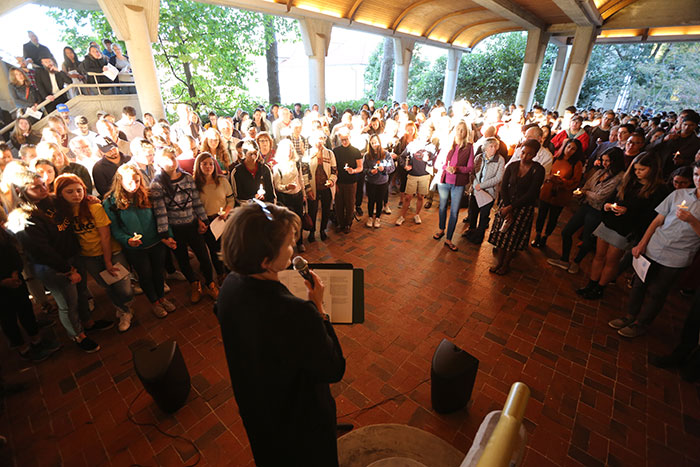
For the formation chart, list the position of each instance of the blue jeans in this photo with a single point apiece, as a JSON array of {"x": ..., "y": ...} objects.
[
  {"x": 447, "y": 192},
  {"x": 70, "y": 302},
  {"x": 119, "y": 293}
]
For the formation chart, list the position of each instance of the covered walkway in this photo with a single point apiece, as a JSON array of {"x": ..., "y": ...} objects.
[{"x": 595, "y": 399}]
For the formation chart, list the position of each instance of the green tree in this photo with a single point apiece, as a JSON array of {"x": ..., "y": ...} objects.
[
  {"x": 204, "y": 53},
  {"x": 419, "y": 66}
]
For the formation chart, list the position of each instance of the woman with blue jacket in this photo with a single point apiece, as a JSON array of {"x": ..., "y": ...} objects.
[{"x": 134, "y": 226}]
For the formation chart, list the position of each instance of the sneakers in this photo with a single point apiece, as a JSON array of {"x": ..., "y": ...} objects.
[
  {"x": 196, "y": 292},
  {"x": 377, "y": 223},
  {"x": 400, "y": 220},
  {"x": 124, "y": 321},
  {"x": 428, "y": 204},
  {"x": 620, "y": 323},
  {"x": 417, "y": 219},
  {"x": 88, "y": 345},
  {"x": 166, "y": 287},
  {"x": 176, "y": 276},
  {"x": 35, "y": 354},
  {"x": 387, "y": 209},
  {"x": 212, "y": 290},
  {"x": 167, "y": 304},
  {"x": 159, "y": 310},
  {"x": 633, "y": 330},
  {"x": 559, "y": 263},
  {"x": 369, "y": 223},
  {"x": 573, "y": 268},
  {"x": 100, "y": 325}
]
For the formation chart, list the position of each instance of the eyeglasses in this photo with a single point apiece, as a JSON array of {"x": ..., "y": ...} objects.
[{"x": 264, "y": 208}]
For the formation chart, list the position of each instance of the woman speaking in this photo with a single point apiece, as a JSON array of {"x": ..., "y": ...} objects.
[{"x": 282, "y": 352}]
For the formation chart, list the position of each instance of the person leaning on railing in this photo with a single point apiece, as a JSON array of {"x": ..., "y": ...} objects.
[
  {"x": 23, "y": 134},
  {"x": 94, "y": 65}
]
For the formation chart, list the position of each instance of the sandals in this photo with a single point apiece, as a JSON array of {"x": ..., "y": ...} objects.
[
  {"x": 439, "y": 235},
  {"x": 451, "y": 246}
]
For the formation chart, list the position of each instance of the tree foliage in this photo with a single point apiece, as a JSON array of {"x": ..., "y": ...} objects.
[
  {"x": 204, "y": 53},
  {"x": 419, "y": 67}
]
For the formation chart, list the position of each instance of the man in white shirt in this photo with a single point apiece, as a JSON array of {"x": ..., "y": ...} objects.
[
  {"x": 281, "y": 126},
  {"x": 128, "y": 124},
  {"x": 544, "y": 157}
]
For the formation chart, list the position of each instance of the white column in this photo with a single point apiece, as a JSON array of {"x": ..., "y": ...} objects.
[
  {"x": 537, "y": 41},
  {"x": 403, "y": 52},
  {"x": 576, "y": 69},
  {"x": 142, "y": 63},
  {"x": 555, "y": 79},
  {"x": 316, "y": 35},
  {"x": 6, "y": 101},
  {"x": 137, "y": 25},
  {"x": 454, "y": 57}
]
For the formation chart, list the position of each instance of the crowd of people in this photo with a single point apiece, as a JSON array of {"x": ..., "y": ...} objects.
[
  {"x": 36, "y": 77},
  {"x": 124, "y": 200}
]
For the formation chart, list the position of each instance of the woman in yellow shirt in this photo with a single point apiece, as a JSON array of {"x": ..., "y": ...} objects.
[{"x": 98, "y": 250}]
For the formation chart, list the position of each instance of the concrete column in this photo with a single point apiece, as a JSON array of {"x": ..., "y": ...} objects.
[
  {"x": 316, "y": 35},
  {"x": 6, "y": 101},
  {"x": 142, "y": 63},
  {"x": 576, "y": 69},
  {"x": 555, "y": 80},
  {"x": 403, "y": 52},
  {"x": 454, "y": 57},
  {"x": 136, "y": 24},
  {"x": 537, "y": 41}
]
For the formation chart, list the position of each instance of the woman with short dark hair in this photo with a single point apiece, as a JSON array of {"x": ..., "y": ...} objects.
[{"x": 282, "y": 351}]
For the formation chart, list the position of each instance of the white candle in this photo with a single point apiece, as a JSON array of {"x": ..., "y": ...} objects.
[
  {"x": 683, "y": 205},
  {"x": 137, "y": 236},
  {"x": 261, "y": 190}
]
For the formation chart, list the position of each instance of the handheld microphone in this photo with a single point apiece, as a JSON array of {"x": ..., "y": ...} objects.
[{"x": 301, "y": 266}]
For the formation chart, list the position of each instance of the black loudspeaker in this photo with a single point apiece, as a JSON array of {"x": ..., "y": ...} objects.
[
  {"x": 452, "y": 377},
  {"x": 164, "y": 375}
]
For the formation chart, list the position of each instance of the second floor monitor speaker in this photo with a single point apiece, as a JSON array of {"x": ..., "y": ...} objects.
[
  {"x": 452, "y": 377},
  {"x": 163, "y": 373}
]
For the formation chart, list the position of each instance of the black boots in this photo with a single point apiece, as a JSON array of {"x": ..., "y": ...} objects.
[
  {"x": 592, "y": 291},
  {"x": 539, "y": 241}
]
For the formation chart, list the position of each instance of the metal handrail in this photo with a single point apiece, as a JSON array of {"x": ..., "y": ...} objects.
[
  {"x": 504, "y": 439},
  {"x": 42, "y": 105}
]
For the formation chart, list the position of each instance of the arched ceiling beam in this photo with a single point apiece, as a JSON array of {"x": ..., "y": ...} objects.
[
  {"x": 480, "y": 38},
  {"x": 613, "y": 6},
  {"x": 353, "y": 9},
  {"x": 581, "y": 12},
  {"x": 451, "y": 15},
  {"x": 461, "y": 30},
  {"x": 508, "y": 9},
  {"x": 406, "y": 11}
]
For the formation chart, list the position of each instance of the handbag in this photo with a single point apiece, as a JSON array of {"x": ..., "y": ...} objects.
[{"x": 306, "y": 222}]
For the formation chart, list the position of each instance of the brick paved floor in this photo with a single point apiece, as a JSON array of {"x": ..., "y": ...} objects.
[{"x": 595, "y": 399}]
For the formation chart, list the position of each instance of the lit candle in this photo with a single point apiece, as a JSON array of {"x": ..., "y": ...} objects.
[
  {"x": 221, "y": 211},
  {"x": 683, "y": 205},
  {"x": 577, "y": 191},
  {"x": 614, "y": 205},
  {"x": 261, "y": 190},
  {"x": 346, "y": 166},
  {"x": 558, "y": 173},
  {"x": 137, "y": 236}
]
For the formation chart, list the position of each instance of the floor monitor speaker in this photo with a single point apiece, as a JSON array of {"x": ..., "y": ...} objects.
[
  {"x": 452, "y": 377},
  {"x": 163, "y": 373}
]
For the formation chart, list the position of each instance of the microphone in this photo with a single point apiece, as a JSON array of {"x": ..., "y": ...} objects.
[{"x": 301, "y": 266}]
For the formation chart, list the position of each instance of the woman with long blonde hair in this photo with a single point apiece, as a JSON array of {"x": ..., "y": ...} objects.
[
  {"x": 214, "y": 145},
  {"x": 128, "y": 206},
  {"x": 457, "y": 165}
]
